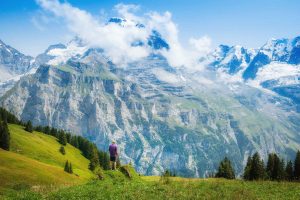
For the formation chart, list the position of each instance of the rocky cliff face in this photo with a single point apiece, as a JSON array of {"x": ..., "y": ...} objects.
[
  {"x": 12, "y": 62},
  {"x": 161, "y": 117},
  {"x": 12, "y": 65}
]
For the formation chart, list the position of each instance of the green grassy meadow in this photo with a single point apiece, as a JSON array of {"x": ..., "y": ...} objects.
[
  {"x": 34, "y": 161},
  {"x": 33, "y": 169},
  {"x": 116, "y": 186},
  {"x": 180, "y": 189},
  {"x": 45, "y": 148}
]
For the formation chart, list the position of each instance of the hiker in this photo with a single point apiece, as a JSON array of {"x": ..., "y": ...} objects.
[{"x": 113, "y": 152}]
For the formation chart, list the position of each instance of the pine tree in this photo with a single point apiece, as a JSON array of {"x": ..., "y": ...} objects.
[
  {"x": 225, "y": 169},
  {"x": 67, "y": 166},
  {"x": 101, "y": 159},
  {"x": 80, "y": 143},
  {"x": 270, "y": 166},
  {"x": 62, "y": 138},
  {"x": 3, "y": 115},
  {"x": 275, "y": 167},
  {"x": 104, "y": 160},
  {"x": 247, "y": 169},
  {"x": 74, "y": 141},
  {"x": 281, "y": 171},
  {"x": 94, "y": 161},
  {"x": 4, "y": 136},
  {"x": 86, "y": 147},
  {"x": 8, "y": 117},
  {"x": 89, "y": 150},
  {"x": 62, "y": 150},
  {"x": 276, "y": 170},
  {"x": 54, "y": 132},
  {"x": 70, "y": 168},
  {"x": 297, "y": 166},
  {"x": 68, "y": 136},
  {"x": 257, "y": 171},
  {"x": 289, "y": 171},
  {"x": 47, "y": 130},
  {"x": 38, "y": 128},
  {"x": 29, "y": 127}
]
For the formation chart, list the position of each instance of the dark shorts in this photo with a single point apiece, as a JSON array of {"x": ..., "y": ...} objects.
[{"x": 113, "y": 158}]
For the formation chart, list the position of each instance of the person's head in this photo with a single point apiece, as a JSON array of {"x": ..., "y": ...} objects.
[{"x": 113, "y": 142}]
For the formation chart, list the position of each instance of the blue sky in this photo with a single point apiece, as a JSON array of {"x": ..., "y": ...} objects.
[{"x": 248, "y": 23}]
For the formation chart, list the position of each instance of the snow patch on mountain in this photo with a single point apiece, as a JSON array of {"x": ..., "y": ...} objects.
[
  {"x": 62, "y": 55},
  {"x": 276, "y": 70},
  {"x": 274, "y": 75}
]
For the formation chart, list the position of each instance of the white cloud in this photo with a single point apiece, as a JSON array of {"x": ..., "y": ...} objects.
[
  {"x": 126, "y": 11},
  {"x": 114, "y": 39},
  {"x": 285, "y": 74},
  {"x": 202, "y": 45},
  {"x": 63, "y": 55},
  {"x": 117, "y": 40},
  {"x": 167, "y": 76},
  {"x": 177, "y": 55}
]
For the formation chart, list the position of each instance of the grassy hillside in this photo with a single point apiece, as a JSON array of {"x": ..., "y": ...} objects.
[
  {"x": 20, "y": 171},
  {"x": 33, "y": 169},
  {"x": 45, "y": 148},
  {"x": 35, "y": 161}
]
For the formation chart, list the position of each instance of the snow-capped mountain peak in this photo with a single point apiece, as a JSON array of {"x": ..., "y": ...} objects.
[
  {"x": 230, "y": 59},
  {"x": 274, "y": 66}
]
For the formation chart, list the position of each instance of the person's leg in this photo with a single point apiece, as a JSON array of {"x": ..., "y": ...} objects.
[{"x": 115, "y": 165}]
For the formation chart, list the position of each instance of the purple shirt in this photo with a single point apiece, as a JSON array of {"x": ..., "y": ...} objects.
[{"x": 113, "y": 151}]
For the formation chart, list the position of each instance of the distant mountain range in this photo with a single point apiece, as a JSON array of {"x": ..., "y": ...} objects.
[
  {"x": 275, "y": 66},
  {"x": 164, "y": 117}
]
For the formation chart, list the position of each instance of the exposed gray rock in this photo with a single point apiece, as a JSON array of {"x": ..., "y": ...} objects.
[{"x": 179, "y": 125}]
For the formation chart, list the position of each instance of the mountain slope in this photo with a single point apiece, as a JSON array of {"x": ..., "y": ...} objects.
[
  {"x": 13, "y": 64},
  {"x": 30, "y": 145},
  {"x": 35, "y": 160},
  {"x": 17, "y": 170},
  {"x": 162, "y": 118}
]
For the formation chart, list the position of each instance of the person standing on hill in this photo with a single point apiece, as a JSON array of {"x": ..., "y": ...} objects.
[{"x": 113, "y": 152}]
